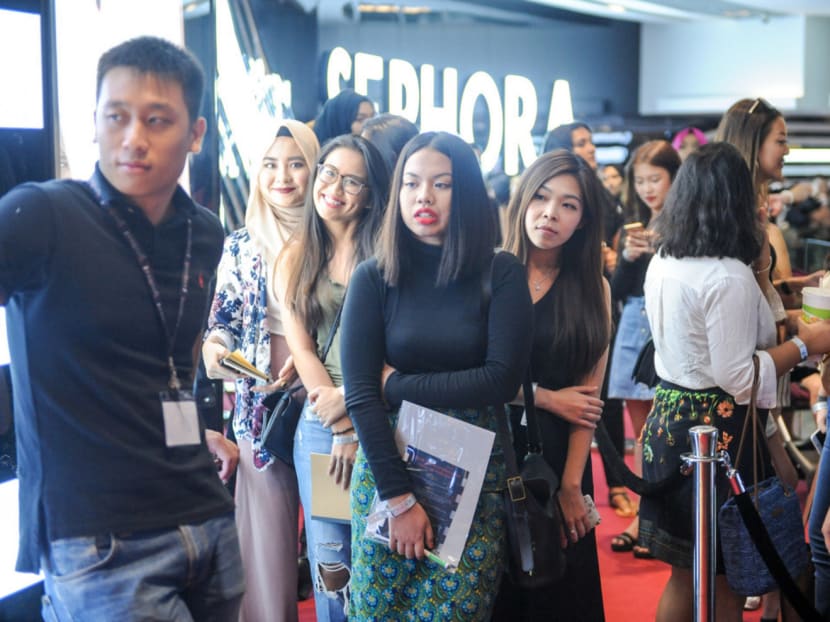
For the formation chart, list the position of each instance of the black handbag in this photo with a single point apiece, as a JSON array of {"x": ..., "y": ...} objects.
[
  {"x": 282, "y": 412},
  {"x": 283, "y": 409},
  {"x": 533, "y": 516},
  {"x": 644, "y": 370},
  {"x": 780, "y": 512}
]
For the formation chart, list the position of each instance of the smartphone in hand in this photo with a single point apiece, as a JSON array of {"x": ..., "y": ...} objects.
[
  {"x": 593, "y": 514},
  {"x": 818, "y": 440}
]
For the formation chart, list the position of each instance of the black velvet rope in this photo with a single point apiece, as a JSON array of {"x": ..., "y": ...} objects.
[{"x": 619, "y": 469}]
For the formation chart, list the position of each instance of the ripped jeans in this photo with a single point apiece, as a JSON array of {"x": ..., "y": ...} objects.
[{"x": 329, "y": 543}]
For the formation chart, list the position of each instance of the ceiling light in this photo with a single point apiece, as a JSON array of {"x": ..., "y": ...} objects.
[{"x": 392, "y": 8}]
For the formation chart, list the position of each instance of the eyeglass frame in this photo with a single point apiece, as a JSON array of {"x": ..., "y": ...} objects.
[{"x": 322, "y": 166}]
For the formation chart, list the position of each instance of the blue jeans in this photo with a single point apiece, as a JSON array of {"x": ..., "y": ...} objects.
[
  {"x": 329, "y": 543},
  {"x": 821, "y": 558},
  {"x": 191, "y": 572}
]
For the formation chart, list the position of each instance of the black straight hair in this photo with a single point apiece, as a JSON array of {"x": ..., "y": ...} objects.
[
  {"x": 471, "y": 232},
  {"x": 710, "y": 210}
]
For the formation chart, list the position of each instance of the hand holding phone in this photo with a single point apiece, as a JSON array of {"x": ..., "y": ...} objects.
[
  {"x": 593, "y": 514},
  {"x": 818, "y": 437}
]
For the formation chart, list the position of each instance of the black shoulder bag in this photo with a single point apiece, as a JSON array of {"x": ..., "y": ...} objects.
[
  {"x": 283, "y": 409},
  {"x": 534, "y": 519}
]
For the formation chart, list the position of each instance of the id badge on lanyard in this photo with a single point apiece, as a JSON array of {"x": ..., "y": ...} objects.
[{"x": 181, "y": 419}]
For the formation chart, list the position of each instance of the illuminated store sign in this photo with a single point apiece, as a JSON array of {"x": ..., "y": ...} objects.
[{"x": 411, "y": 94}]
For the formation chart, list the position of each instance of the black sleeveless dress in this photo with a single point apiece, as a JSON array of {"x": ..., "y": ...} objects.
[{"x": 578, "y": 596}]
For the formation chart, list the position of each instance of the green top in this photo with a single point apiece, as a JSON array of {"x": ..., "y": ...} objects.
[{"x": 332, "y": 298}]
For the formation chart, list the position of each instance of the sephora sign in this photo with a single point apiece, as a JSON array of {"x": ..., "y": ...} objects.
[{"x": 512, "y": 107}]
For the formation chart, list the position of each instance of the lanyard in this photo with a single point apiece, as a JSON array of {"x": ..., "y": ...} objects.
[{"x": 147, "y": 270}]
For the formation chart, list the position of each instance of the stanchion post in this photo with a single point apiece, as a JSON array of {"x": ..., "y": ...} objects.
[{"x": 704, "y": 440}]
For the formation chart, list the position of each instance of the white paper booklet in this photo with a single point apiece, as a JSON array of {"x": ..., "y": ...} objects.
[{"x": 447, "y": 461}]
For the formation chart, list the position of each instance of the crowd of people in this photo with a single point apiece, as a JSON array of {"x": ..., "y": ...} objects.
[{"x": 375, "y": 267}]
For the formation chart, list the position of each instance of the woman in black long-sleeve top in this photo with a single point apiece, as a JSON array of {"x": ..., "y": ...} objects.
[
  {"x": 649, "y": 175},
  {"x": 418, "y": 325}
]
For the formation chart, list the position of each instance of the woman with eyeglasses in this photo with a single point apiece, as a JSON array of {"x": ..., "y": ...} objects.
[{"x": 343, "y": 211}]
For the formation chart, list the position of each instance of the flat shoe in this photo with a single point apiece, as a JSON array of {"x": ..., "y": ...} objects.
[{"x": 626, "y": 545}]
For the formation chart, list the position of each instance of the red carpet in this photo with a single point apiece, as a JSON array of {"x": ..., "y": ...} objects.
[{"x": 631, "y": 587}]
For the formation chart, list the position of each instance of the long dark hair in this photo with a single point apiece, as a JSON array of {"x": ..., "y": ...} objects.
[
  {"x": 307, "y": 261},
  {"x": 710, "y": 210},
  {"x": 580, "y": 322},
  {"x": 657, "y": 153},
  {"x": 471, "y": 233},
  {"x": 746, "y": 125}
]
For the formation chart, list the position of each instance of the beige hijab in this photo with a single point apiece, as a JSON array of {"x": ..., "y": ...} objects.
[{"x": 270, "y": 226}]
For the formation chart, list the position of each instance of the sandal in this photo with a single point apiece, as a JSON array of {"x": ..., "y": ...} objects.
[
  {"x": 621, "y": 503},
  {"x": 622, "y": 542}
]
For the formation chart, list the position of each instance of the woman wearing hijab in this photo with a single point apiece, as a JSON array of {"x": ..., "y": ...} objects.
[
  {"x": 245, "y": 315},
  {"x": 344, "y": 113}
]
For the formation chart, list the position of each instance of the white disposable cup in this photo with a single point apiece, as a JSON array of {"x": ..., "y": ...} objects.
[{"x": 815, "y": 304}]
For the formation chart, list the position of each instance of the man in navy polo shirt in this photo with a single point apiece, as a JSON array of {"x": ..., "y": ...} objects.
[{"x": 106, "y": 284}]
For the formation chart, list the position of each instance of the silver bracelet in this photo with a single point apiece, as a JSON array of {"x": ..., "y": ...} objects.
[
  {"x": 818, "y": 406},
  {"x": 344, "y": 439}
]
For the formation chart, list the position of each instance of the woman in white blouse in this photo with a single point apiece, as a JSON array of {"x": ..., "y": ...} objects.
[{"x": 708, "y": 317}]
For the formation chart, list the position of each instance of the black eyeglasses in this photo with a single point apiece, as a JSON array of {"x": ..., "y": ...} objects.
[{"x": 328, "y": 174}]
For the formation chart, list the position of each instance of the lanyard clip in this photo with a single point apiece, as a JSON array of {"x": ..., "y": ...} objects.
[{"x": 174, "y": 377}]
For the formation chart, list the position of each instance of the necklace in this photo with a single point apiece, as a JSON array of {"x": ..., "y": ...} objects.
[{"x": 546, "y": 276}]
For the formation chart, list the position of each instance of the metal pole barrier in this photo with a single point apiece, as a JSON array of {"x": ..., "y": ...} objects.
[{"x": 704, "y": 440}]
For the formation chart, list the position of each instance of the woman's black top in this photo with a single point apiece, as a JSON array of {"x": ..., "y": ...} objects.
[{"x": 454, "y": 346}]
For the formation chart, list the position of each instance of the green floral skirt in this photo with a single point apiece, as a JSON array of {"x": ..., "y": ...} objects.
[
  {"x": 666, "y": 522},
  {"x": 386, "y": 586}
]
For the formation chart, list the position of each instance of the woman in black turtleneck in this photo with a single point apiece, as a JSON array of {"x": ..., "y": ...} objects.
[{"x": 418, "y": 326}]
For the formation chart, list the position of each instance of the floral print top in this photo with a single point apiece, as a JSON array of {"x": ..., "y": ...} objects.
[{"x": 238, "y": 317}]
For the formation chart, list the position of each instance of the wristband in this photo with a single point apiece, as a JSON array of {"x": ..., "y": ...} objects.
[
  {"x": 535, "y": 385},
  {"x": 343, "y": 431},
  {"x": 802, "y": 347},
  {"x": 821, "y": 398},
  {"x": 818, "y": 406},
  {"x": 407, "y": 504},
  {"x": 344, "y": 439}
]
